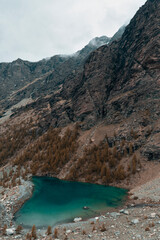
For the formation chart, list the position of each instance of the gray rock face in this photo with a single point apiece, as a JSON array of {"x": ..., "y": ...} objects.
[
  {"x": 23, "y": 79},
  {"x": 117, "y": 78},
  {"x": 152, "y": 148},
  {"x": 152, "y": 152},
  {"x": 118, "y": 34}
]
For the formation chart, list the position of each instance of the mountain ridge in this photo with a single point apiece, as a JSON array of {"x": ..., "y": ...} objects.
[
  {"x": 17, "y": 74},
  {"x": 111, "y": 97}
]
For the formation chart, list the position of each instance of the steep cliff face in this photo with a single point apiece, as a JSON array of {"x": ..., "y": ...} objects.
[
  {"x": 123, "y": 78},
  {"x": 22, "y": 79},
  {"x": 120, "y": 83}
]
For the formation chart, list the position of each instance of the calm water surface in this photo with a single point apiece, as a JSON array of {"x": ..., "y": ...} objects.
[{"x": 55, "y": 201}]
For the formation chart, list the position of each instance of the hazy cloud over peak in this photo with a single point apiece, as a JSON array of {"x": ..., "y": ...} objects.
[{"x": 35, "y": 29}]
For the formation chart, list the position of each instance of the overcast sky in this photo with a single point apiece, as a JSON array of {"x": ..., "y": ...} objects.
[{"x": 36, "y": 29}]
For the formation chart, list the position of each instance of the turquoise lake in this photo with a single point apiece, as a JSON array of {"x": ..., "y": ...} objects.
[{"x": 55, "y": 201}]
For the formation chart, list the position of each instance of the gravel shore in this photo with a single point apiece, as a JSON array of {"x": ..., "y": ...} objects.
[
  {"x": 12, "y": 199},
  {"x": 139, "y": 218}
]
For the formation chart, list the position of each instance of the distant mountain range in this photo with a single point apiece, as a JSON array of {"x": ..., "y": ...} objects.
[{"x": 45, "y": 74}]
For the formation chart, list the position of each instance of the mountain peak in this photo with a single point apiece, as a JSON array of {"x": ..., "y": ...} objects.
[
  {"x": 118, "y": 34},
  {"x": 99, "y": 41}
]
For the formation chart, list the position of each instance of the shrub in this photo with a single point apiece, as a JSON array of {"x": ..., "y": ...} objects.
[
  {"x": 103, "y": 228},
  {"x": 4, "y": 229},
  {"x": 55, "y": 233},
  {"x": 33, "y": 232},
  {"x": 19, "y": 229},
  {"x": 49, "y": 230}
]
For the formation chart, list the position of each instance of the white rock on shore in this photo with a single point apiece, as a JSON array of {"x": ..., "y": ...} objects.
[
  {"x": 10, "y": 231},
  {"x": 135, "y": 221},
  {"x": 78, "y": 219}
]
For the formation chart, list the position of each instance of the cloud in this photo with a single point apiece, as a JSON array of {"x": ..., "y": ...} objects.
[{"x": 35, "y": 29}]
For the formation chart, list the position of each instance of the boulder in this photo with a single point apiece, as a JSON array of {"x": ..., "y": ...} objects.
[
  {"x": 153, "y": 215},
  {"x": 135, "y": 221},
  {"x": 10, "y": 231},
  {"x": 89, "y": 236},
  {"x": 114, "y": 214},
  {"x": 124, "y": 211},
  {"x": 78, "y": 219}
]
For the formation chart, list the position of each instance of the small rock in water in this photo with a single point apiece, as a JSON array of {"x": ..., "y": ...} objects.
[
  {"x": 78, "y": 219},
  {"x": 85, "y": 208},
  {"x": 135, "y": 221},
  {"x": 68, "y": 231}
]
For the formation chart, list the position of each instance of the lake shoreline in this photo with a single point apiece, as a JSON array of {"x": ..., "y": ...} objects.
[
  {"x": 28, "y": 191},
  {"x": 136, "y": 206},
  {"x": 10, "y": 208},
  {"x": 13, "y": 199},
  {"x": 97, "y": 206}
]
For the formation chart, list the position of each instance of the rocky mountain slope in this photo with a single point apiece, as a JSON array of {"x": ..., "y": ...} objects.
[
  {"x": 23, "y": 79},
  {"x": 113, "y": 93},
  {"x": 118, "y": 78},
  {"x": 120, "y": 82}
]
